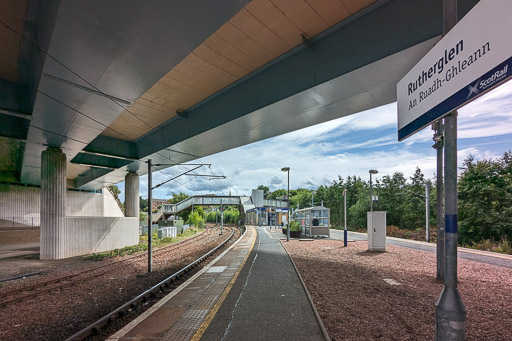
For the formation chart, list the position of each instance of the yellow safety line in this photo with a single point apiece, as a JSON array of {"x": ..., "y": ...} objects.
[{"x": 199, "y": 333}]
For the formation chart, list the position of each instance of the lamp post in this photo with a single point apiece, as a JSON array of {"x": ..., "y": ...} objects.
[
  {"x": 221, "y": 217},
  {"x": 150, "y": 219},
  {"x": 345, "y": 233},
  {"x": 312, "y": 193},
  {"x": 427, "y": 210},
  {"x": 372, "y": 171},
  {"x": 287, "y": 169},
  {"x": 269, "y": 211}
]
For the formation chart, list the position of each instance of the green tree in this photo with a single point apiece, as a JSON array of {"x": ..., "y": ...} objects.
[
  {"x": 211, "y": 216},
  {"x": 278, "y": 194},
  {"x": 265, "y": 190},
  {"x": 231, "y": 215},
  {"x": 392, "y": 198},
  {"x": 300, "y": 196},
  {"x": 115, "y": 191},
  {"x": 143, "y": 218},
  {"x": 177, "y": 197},
  {"x": 196, "y": 219},
  {"x": 185, "y": 214},
  {"x": 485, "y": 199},
  {"x": 357, "y": 212},
  {"x": 143, "y": 203},
  {"x": 200, "y": 211}
]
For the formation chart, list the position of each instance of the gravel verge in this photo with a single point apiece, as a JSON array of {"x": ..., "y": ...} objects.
[
  {"x": 60, "y": 313},
  {"x": 355, "y": 302}
]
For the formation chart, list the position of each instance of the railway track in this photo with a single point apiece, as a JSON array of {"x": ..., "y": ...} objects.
[
  {"x": 146, "y": 296},
  {"x": 17, "y": 295}
]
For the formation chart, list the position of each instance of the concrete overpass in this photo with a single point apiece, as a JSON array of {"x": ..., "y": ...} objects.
[{"x": 89, "y": 90}]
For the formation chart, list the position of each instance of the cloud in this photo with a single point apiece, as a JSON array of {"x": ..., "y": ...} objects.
[
  {"x": 346, "y": 146},
  {"x": 276, "y": 181}
]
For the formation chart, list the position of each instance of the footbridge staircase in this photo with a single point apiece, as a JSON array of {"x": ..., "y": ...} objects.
[{"x": 245, "y": 202}]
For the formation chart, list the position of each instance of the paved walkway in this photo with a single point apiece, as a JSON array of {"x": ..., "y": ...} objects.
[
  {"x": 268, "y": 301},
  {"x": 8, "y": 251},
  {"x": 493, "y": 258},
  {"x": 250, "y": 292}
]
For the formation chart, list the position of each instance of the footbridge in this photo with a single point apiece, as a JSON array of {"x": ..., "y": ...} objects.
[{"x": 244, "y": 202}]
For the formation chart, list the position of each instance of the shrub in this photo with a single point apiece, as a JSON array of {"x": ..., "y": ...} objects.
[
  {"x": 503, "y": 246},
  {"x": 295, "y": 226},
  {"x": 210, "y": 217},
  {"x": 196, "y": 219}
]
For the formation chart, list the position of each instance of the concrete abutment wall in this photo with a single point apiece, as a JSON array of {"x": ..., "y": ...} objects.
[{"x": 72, "y": 223}]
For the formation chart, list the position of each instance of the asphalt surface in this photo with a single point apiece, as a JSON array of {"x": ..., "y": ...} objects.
[
  {"x": 267, "y": 301},
  {"x": 462, "y": 253},
  {"x": 9, "y": 251}
]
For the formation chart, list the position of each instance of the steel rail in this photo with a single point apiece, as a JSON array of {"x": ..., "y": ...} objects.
[
  {"x": 160, "y": 252},
  {"x": 96, "y": 326}
]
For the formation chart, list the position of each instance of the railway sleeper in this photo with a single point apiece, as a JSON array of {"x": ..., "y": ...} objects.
[{"x": 153, "y": 294}]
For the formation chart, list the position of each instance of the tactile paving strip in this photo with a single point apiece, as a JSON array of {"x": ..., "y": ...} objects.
[{"x": 191, "y": 320}]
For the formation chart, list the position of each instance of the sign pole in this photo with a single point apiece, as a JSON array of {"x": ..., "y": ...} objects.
[
  {"x": 150, "y": 218},
  {"x": 450, "y": 310},
  {"x": 345, "y": 233},
  {"x": 427, "y": 211},
  {"x": 439, "y": 139}
]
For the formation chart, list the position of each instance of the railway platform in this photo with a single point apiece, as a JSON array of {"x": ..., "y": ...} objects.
[{"x": 249, "y": 292}]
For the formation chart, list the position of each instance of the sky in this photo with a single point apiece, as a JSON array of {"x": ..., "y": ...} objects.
[{"x": 350, "y": 145}]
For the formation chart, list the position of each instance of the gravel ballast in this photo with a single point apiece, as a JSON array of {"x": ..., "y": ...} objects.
[
  {"x": 60, "y": 313},
  {"x": 363, "y": 295}
]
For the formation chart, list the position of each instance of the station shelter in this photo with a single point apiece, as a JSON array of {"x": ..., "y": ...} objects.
[
  {"x": 266, "y": 216},
  {"x": 314, "y": 220}
]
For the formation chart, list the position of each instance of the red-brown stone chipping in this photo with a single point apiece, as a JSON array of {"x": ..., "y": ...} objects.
[
  {"x": 355, "y": 303},
  {"x": 60, "y": 314}
]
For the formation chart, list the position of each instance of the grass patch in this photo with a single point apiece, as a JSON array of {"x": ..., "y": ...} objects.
[
  {"x": 143, "y": 245},
  {"x": 501, "y": 246}
]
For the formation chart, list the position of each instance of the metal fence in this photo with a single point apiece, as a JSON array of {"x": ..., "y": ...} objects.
[
  {"x": 206, "y": 201},
  {"x": 23, "y": 222},
  {"x": 275, "y": 203}
]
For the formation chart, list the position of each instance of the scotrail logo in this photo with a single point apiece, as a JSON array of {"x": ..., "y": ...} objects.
[{"x": 483, "y": 84}]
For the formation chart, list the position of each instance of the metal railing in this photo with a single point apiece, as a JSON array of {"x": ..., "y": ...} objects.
[
  {"x": 275, "y": 203},
  {"x": 24, "y": 222},
  {"x": 213, "y": 200},
  {"x": 199, "y": 200}
]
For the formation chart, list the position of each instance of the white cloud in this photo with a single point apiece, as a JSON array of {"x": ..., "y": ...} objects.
[{"x": 347, "y": 146}]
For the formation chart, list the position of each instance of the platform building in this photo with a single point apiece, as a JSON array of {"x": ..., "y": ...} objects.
[{"x": 314, "y": 221}]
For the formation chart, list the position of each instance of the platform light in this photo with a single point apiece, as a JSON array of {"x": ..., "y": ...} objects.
[
  {"x": 287, "y": 169},
  {"x": 372, "y": 171}
]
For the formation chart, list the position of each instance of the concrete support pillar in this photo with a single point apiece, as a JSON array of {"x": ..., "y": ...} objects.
[
  {"x": 53, "y": 204},
  {"x": 131, "y": 196}
]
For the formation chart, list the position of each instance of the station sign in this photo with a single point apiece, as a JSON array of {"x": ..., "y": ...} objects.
[{"x": 473, "y": 58}]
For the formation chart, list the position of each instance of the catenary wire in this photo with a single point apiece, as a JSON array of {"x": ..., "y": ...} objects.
[{"x": 94, "y": 87}]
